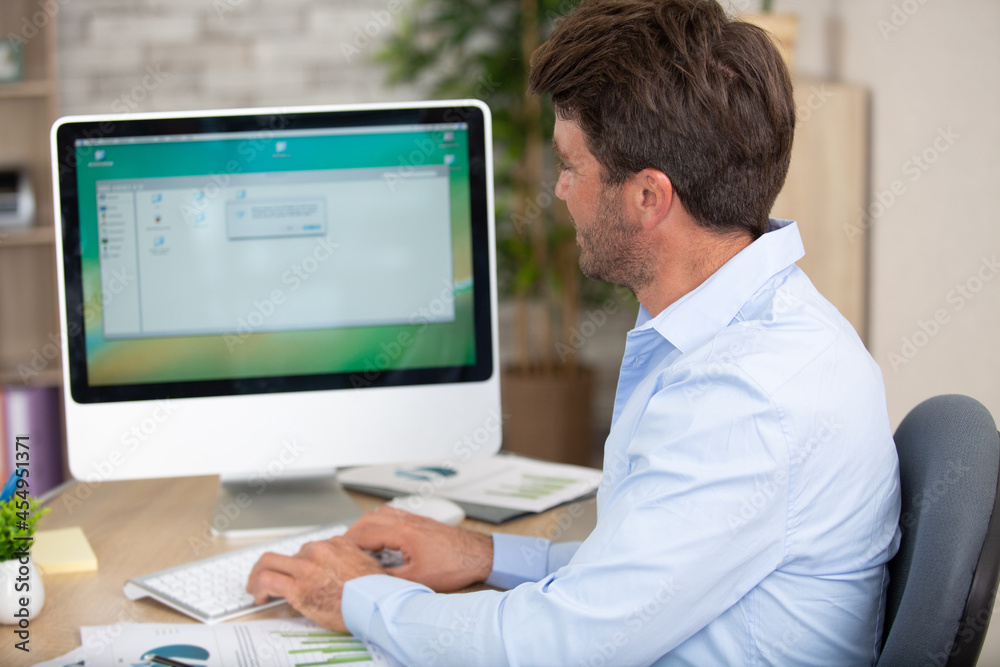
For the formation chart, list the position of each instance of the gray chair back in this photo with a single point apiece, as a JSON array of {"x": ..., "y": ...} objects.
[{"x": 943, "y": 581}]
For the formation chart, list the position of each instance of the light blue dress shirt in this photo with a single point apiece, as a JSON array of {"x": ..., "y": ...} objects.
[{"x": 749, "y": 502}]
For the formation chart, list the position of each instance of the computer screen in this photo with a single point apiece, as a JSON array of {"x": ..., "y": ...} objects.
[{"x": 303, "y": 288}]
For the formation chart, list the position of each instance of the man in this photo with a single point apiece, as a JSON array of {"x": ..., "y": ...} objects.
[{"x": 750, "y": 495}]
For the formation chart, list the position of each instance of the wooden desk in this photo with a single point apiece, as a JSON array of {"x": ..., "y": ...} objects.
[{"x": 142, "y": 526}]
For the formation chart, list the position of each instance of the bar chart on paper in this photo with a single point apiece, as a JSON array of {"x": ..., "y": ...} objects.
[
  {"x": 531, "y": 487},
  {"x": 320, "y": 647}
]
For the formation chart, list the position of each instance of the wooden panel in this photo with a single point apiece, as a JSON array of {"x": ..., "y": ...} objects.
[{"x": 825, "y": 192}]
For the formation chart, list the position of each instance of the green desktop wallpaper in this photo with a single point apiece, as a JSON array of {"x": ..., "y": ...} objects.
[{"x": 356, "y": 350}]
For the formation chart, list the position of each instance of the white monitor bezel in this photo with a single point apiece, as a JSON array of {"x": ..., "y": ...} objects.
[{"x": 167, "y": 437}]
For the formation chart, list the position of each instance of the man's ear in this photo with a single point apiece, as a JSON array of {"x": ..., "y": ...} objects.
[{"x": 650, "y": 194}]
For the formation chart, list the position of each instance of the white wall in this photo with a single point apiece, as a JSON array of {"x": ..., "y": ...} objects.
[
  {"x": 149, "y": 55},
  {"x": 933, "y": 70}
]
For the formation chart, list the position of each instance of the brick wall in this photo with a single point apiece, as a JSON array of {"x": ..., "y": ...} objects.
[{"x": 149, "y": 55}]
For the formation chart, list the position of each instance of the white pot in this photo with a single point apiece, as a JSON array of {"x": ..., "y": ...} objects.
[{"x": 20, "y": 582}]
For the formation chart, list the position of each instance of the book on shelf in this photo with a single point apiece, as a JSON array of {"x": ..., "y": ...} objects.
[{"x": 32, "y": 417}]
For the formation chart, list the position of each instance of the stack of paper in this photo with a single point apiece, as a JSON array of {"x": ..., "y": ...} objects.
[
  {"x": 279, "y": 643},
  {"x": 492, "y": 489}
]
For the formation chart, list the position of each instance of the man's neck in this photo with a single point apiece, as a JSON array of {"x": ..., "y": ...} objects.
[{"x": 687, "y": 266}]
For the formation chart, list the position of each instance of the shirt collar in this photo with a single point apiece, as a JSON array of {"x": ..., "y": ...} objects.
[{"x": 710, "y": 307}]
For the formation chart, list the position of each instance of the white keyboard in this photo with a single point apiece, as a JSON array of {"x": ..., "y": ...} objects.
[{"x": 214, "y": 589}]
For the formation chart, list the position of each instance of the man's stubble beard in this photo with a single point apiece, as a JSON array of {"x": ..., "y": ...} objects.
[{"x": 612, "y": 249}]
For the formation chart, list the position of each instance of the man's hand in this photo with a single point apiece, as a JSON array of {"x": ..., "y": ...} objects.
[
  {"x": 439, "y": 556},
  {"x": 313, "y": 580}
]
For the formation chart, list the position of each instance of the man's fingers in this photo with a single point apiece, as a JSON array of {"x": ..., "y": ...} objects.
[
  {"x": 269, "y": 584},
  {"x": 273, "y": 574}
]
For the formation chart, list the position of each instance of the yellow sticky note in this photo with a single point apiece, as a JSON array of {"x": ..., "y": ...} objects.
[{"x": 63, "y": 550}]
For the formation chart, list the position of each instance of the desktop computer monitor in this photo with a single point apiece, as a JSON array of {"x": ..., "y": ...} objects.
[{"x": 270, "y": 294}]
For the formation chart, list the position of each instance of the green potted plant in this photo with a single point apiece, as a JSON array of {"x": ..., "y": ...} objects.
[
  {"x": 22, "y": 594},
  {"x": 481, "y": 48}
]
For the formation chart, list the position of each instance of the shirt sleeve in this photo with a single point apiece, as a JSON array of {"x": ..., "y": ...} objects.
[
  {"x": 695, "y": 519},
  {"x": 519, "y": 558}
]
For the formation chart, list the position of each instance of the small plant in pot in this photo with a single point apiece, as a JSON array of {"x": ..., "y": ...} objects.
[{"x": 22, "y": 594}]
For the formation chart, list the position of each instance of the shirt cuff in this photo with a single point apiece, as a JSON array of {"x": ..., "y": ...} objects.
[
  {"x": 359, "y": 603},
  {"x": 517, "y": 559}
]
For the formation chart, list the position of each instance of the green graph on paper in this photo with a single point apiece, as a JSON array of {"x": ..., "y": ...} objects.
[
  {"x": 532, "y": 487},
  {"x": 312, "y": 649}
]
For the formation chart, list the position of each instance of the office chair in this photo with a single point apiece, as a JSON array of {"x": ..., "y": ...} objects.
[{"x": 943, "y": 581}]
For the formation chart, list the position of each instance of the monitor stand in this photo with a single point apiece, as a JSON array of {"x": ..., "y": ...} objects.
[{"x": 254, "y": 507}]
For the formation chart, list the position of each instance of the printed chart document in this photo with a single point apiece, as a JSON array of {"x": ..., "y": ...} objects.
[
  {"x": 511, "y": 483},
  {"x": 290, "y": 642}
]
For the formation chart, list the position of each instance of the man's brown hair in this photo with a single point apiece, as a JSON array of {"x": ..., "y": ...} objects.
[{"x": 677, "y": 86}]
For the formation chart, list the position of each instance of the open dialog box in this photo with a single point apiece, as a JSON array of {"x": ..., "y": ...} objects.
[{"x": 256, "y": 218}]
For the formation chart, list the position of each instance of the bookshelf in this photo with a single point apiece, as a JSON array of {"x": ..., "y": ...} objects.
[
  {"x": 30, "y": 348},
  {"x": 28, "y": 303}
]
